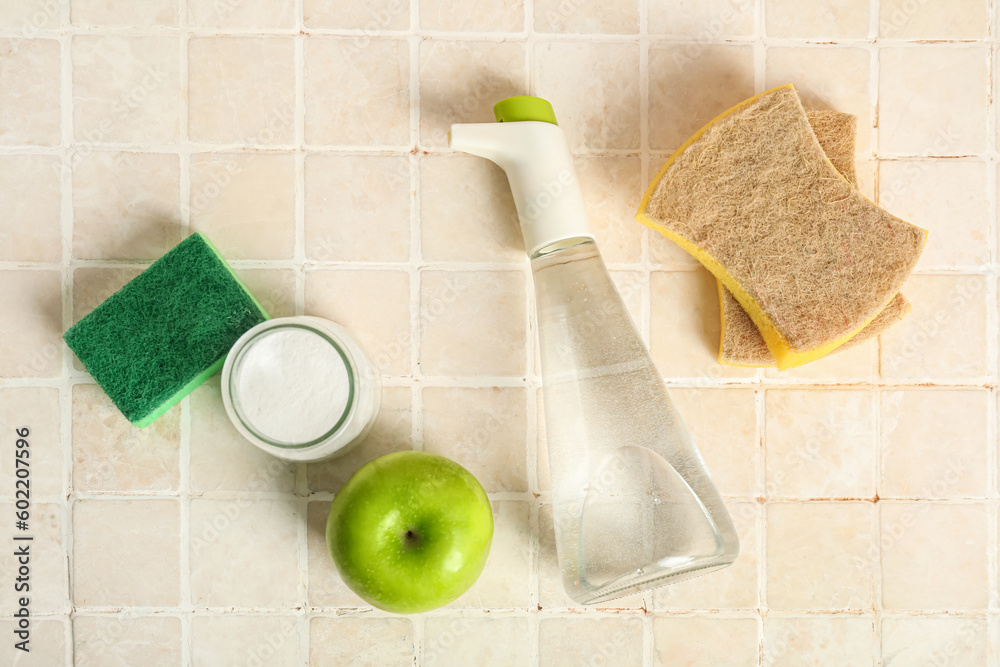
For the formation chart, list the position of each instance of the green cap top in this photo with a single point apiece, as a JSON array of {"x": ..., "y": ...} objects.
[{"x": 524, "y": 107}]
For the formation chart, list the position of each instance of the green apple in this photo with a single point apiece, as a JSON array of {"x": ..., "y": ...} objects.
[{"x": 410, "y": 531}]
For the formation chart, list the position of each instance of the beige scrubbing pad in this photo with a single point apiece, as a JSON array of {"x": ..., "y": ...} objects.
[
  {"x": 753, "y": 197},
  {"x": 836, "y": 133},
  {"x": 742, "y": 344}
]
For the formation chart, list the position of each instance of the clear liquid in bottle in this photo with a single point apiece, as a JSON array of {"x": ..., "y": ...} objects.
[{"x": 633, "y": 504}]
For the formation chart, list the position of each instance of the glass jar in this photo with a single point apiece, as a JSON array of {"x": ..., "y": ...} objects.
[{"x": 301, "y": 388}]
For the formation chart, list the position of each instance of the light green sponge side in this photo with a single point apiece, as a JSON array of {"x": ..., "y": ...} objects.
[{"x": 168, "y": 330}]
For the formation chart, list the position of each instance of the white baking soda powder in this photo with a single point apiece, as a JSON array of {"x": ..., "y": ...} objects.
[{"x": 293, "y": 385}]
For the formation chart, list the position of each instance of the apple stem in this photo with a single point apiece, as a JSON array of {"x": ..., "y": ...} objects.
[{"x": 411, "y": 538}]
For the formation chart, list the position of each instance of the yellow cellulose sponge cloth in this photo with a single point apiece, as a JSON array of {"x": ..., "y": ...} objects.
[
  {"x": 754, "y": 198},
  {"x": 742, "y": 344}
]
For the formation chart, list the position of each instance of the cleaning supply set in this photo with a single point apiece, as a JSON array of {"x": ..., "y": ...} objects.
[
  {"x": 300, "y": 388},
  {"x": 633, "y": 503},
  {"x": 741, "y": 342},
  {"x": 754, "y": 198},
  {"x": 168, "y": 330},
  {"x": 805, "y": 265}
]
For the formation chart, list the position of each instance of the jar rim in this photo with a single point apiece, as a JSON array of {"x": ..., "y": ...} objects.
[{"x": 247, "y": 342}]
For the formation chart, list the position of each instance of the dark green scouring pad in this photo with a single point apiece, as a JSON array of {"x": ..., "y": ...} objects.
[{"x": 167, "y": 331}]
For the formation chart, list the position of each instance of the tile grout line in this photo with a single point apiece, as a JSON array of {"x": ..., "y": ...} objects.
[
  {"x": 300, "y": 260},
  {"x": 315, "y": 148},
  {"x": 186, "y": 607},
  {"x": 876, "y": 558},
  {"x": 414, "y": 376},
  {"x": 301, "y": 483},
  {"x": 414, "y": 261},
  {"x": 531, "y": 395},
  {"x": 985, "y": 271},
  {"x": 875, "y": 541},
  {"x": 873, "y": 82},
  {"x": 993, "y": 331},
  {"x": 510, "y": 496},
  {"x": 533, "y": 392},
  {"x": 184, "y": 156},
  {"x": 991, "y": 515},
  {"x": 532, "y": 383},
  {"x": 491, "y": 381},
  {"x": 415, "y": 276},
  {"x": 480, "y": 36},
  {"x": 66, "y": 276},
  {"x": 761, "y": 516},
  {"x": 760, "y": 80},
  {"x": 510, "y": 612},
  {"x": 415, "y": 264},
  {"x": 398, "y": 150},
  {"x": 760, "y": 44},
  {"x": 646, "y": 297}
]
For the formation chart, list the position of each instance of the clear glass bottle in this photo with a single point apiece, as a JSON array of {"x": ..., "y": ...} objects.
[{"x": 633, "y": 503}]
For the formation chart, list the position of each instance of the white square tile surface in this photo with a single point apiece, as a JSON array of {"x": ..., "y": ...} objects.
[{"x": 308, "y": 140}]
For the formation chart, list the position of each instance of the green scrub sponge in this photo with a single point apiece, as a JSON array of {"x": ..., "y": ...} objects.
[{"x": 167, "y": 331}]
